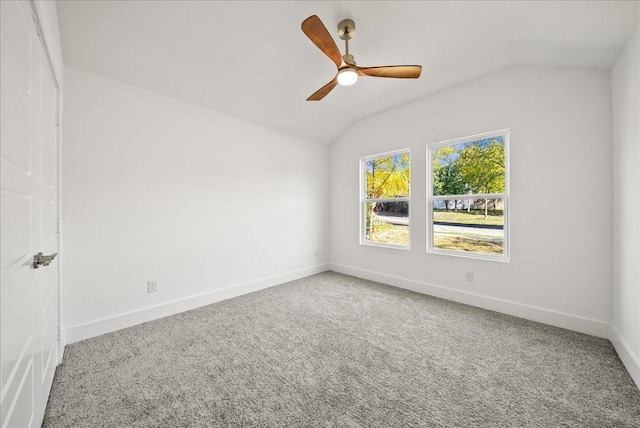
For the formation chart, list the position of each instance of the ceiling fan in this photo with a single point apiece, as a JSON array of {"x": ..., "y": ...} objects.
[{"x": 348, "y": 71}]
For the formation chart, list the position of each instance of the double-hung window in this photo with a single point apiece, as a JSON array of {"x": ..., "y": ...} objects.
[
  {"x": 385, "y": 199},
  {"x": 468, "y": 196}
]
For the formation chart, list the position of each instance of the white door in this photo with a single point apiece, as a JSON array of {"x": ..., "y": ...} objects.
[{"x": 28, "y": 299}]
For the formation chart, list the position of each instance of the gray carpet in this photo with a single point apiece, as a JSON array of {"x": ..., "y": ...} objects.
[{"x": 335, "y": 351}]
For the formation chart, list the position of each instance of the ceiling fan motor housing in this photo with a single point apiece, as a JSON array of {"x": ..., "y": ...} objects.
[{"x": 349, "y": 59}]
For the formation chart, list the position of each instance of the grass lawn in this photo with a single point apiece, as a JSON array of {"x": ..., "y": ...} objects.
[
  {"x": 390, "y": 234},
  {"x": 463, "y": 243},
  {"x": 495, "y": 217}
]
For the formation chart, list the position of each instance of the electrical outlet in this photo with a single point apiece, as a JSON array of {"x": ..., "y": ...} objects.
[
  {"x": 468, "y": 276},
  {"x": 152, "y": 286}
]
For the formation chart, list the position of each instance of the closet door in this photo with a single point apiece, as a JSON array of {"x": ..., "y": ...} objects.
[{"x": 28, "y": 156}]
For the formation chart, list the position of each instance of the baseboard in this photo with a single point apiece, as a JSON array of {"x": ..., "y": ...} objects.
[
  {"x": 545, "y": 316},
  {"x": 627, "y": 356},
  {"x": 107, "y": 325}
]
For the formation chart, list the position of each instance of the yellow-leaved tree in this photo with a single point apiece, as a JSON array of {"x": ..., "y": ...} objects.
[{"x": 386, "y": 178}]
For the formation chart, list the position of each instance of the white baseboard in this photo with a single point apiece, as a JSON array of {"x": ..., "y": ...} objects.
[
  {"x": 545, "y": 316},
  {"x": 117, "y": 322},
  {"x": 627, "y": 356}
]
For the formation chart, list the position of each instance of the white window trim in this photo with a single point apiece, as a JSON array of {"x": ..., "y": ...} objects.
[
  {"x": 364, "y": 200},
  {"x": 506, "y": 257}
]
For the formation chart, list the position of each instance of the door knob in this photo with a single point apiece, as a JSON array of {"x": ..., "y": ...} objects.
[{"x": 42, "y": 260}]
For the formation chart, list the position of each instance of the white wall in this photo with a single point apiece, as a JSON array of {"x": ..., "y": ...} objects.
[
  {"x": 626, "y": 202},
  {"x": 155, "y": 188},
  {"x": 561, "y": 204}
]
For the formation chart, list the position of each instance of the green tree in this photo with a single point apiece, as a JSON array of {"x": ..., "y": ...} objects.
[
  {"x": 481, "y": 165},
  {"x": 447, "y": 178}
]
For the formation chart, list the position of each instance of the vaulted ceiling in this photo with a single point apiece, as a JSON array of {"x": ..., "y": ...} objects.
[{"x": 250, "y": 59}]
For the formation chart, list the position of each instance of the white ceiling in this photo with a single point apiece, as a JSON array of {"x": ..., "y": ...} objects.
[{"x": 249, "y": 59}]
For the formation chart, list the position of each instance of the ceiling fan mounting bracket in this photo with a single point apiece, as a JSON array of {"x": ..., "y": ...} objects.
[{"x": 346, "y": 29}]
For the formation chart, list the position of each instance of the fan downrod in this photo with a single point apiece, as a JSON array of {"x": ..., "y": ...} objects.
[{"x": 346, "y": 31}]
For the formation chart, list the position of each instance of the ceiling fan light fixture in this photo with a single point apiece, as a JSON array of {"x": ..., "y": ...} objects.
[{"x": 347, "y": 76}]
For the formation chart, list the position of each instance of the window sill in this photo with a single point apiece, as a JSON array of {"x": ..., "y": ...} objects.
[
  {"x": 383, "y": 245},
  {"x": 468, "y": 255}
]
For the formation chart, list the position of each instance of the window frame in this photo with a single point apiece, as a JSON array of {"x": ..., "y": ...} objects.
[
  {"x": 363, "y": 200},
  {"x": 506, "y": 256}
]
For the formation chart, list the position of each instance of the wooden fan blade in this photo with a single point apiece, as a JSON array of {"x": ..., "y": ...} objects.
[
  {"x": 318, "y": 34},
  {"x": 395, "y": 71},
  {"x": 322, "y": 92}
]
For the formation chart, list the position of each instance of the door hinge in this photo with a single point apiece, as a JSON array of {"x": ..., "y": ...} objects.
[
  {"x": 59, "y": 332},
  {"x": 57, "y": 225},
  {"x": 57, "y": 118}
]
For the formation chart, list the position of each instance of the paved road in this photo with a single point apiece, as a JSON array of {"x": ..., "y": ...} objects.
[
  {"x": 477, "y": 226},
  {"x": 403, "y": 221},
  {"x": 451, "y": 228},
  {"x": 459, "y": 230}
]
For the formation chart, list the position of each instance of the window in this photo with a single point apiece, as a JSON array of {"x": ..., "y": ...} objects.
[
  {"x": 385, "y": 199},
  {"x": 468, "y": 196}
]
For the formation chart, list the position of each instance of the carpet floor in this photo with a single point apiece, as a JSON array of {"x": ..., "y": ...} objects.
[{"x": 335, "y": 351}]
